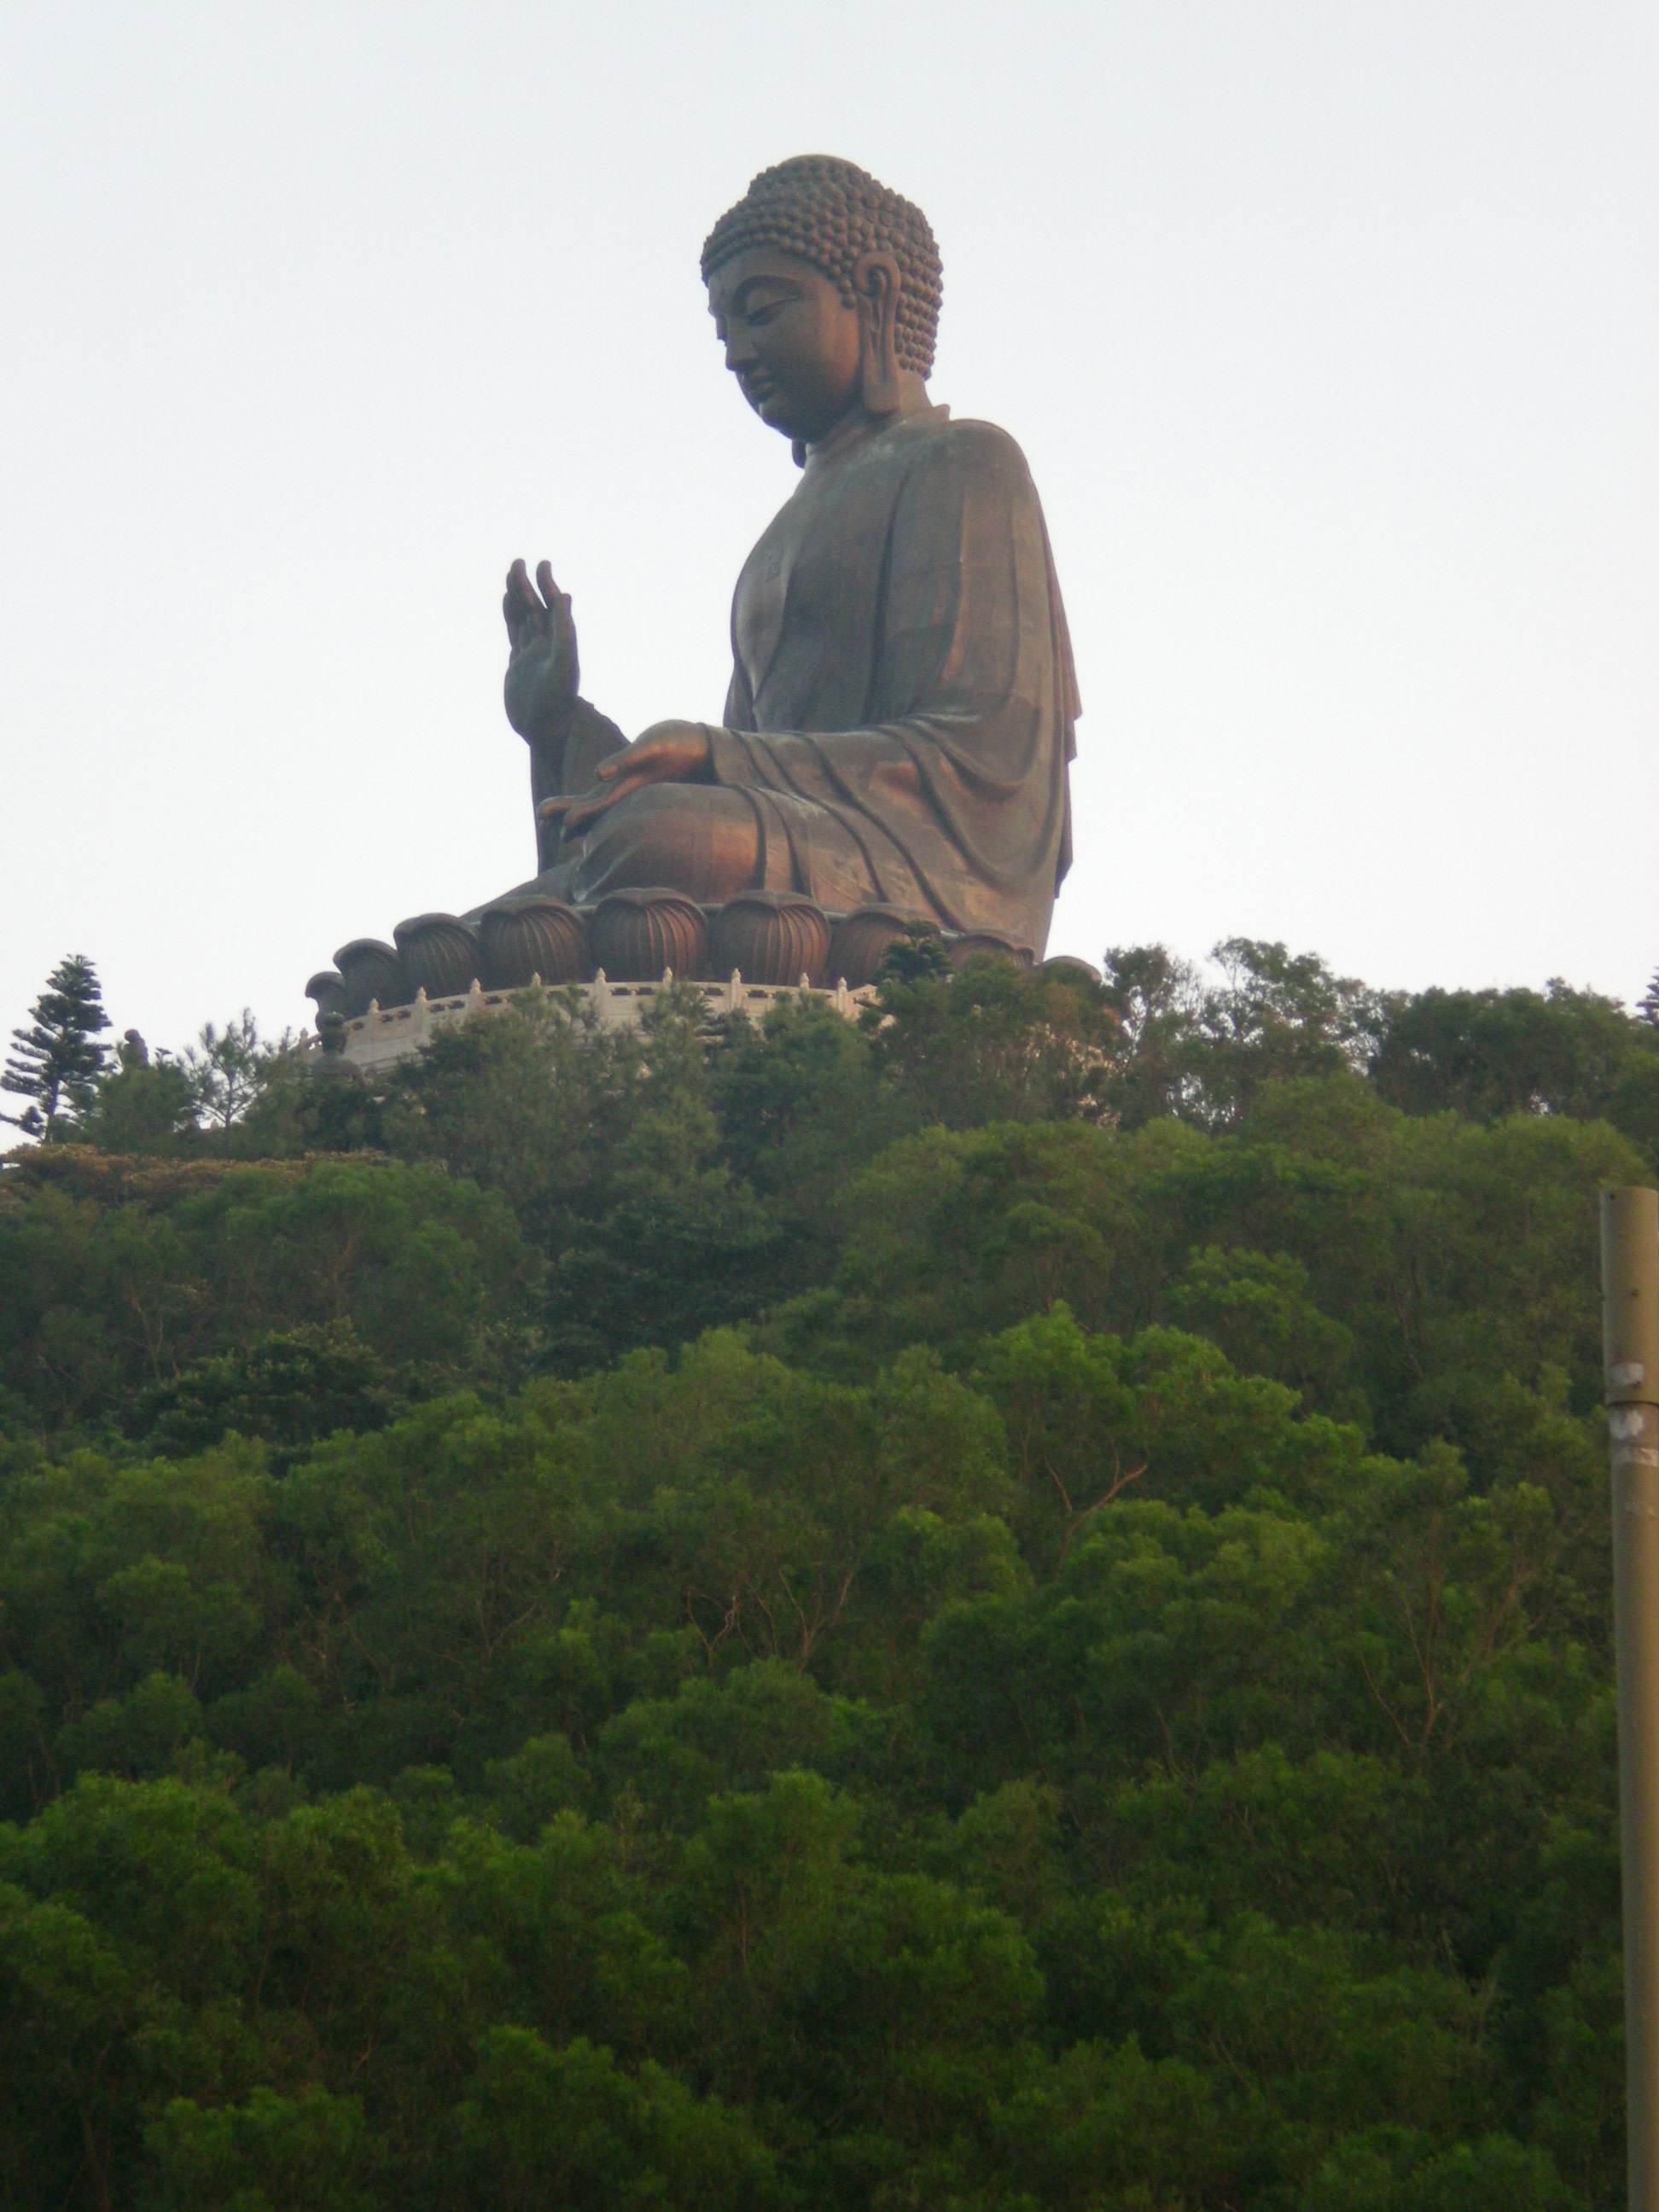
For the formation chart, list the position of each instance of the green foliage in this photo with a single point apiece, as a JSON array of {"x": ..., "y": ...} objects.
[
  {"x": 1205, "y": 1052},
  {"x": 995, "y": 1043},
  {"x": 290, "y": 1387},
  {"x": 609, "y": 1145},
  {"x": 1002, "y": 1608},
  {"x": 225, "y": 1068},
  {"x": 571, "y": 2127},
  {"x": 304, "y": 2154},
  {"x": 141, "y": 1106},
  {"x": 1491, "y": 1053},
  {"x": 120, "y": 1278},
  {"x": 56, "y": 1062},
  {"x": 172, "y": 1107}
]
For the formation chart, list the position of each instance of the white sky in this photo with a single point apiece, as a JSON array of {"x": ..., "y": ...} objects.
[{"x": 1331, "y": 333}]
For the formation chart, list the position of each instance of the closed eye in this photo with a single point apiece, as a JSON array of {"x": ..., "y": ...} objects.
[{"x": 759, "y": 301}]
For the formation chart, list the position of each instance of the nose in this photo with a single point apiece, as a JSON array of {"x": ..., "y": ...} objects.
[{"x": 739, "y": 350}]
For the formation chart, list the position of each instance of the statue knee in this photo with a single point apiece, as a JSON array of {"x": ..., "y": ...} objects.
[{"x": 701, "y": 839}]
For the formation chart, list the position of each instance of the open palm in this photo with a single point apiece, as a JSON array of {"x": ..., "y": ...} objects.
[{"x": 542, "y": 672}]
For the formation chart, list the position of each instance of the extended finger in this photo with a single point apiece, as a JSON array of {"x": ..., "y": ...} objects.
[
  {"x": 607, "y": 772},
  {"x": 567, "y": 806},
  {"x": 576, "y": 813},
  {"x": 519, "y": 598},
  {"x": 550, "y": 590}
]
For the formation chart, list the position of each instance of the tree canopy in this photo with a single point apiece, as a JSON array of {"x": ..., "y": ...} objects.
[
  {"x": 56, "y": 1062},
  {"x": 1003, "y": 1607}
]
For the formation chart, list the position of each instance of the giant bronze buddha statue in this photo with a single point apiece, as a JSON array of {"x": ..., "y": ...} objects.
[{"x": 901, "y": 711}]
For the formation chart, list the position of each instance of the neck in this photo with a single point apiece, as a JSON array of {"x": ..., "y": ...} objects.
[{"x": 858, "y": 420}]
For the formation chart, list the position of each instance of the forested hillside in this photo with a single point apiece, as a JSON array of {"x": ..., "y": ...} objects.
[{"x": 1007, "y": 1607}]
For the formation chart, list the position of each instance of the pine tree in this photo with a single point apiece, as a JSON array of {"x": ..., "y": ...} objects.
[
  {"x": 57, "y": 1061},
  {"x": 225, "y": 1068}
]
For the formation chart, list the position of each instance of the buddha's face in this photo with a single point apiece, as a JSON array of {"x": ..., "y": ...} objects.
[{"x": 791, "y": 340}]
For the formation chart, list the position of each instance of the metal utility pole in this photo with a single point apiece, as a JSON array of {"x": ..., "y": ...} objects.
[{"x": 1629, "y": 1292}]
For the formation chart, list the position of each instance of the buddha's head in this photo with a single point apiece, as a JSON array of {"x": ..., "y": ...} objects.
[{"x": 824, "y": 288}]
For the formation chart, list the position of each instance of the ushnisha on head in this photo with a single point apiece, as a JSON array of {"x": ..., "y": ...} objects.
[{"x": 825, "y": 289}]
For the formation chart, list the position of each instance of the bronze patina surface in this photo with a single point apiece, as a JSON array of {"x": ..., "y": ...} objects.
[{"x": 900, "y": 717}]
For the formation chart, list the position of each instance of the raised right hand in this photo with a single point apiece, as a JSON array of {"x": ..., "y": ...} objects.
[{"x": 542, "y": 673}]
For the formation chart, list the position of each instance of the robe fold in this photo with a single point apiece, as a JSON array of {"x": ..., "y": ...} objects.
[{"x": 901, "y": 707}]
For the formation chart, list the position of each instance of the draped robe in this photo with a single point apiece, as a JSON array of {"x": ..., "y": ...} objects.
[{"x": 901, "y": 706}]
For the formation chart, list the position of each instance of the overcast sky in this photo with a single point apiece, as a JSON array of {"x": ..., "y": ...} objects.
[{"x": 1331, "y": 333}]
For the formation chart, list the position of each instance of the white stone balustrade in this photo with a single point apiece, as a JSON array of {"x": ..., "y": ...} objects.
[{"x": 387, "y": 1034}]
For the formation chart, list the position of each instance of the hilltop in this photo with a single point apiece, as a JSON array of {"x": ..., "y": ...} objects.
[{"x": 1002, "y": 1606}]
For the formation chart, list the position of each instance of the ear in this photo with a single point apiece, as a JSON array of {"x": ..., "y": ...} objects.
[{"x": 877, "y": 284}]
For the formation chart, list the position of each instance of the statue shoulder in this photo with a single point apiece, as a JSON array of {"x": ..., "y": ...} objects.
[{"x": 982, "y": 450}]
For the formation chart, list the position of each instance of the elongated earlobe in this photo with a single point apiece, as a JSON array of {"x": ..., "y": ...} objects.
[{"x": 876, "y": 282}]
